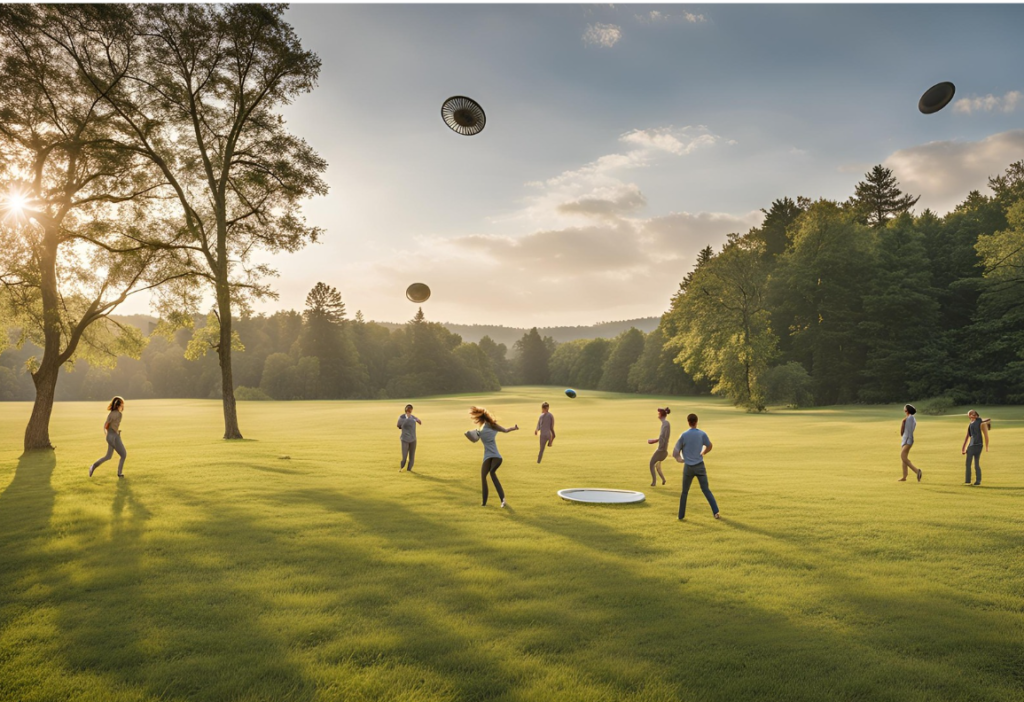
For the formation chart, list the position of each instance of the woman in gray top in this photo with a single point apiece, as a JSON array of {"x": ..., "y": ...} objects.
[
  {"x": 488, "y": 433},
  {"x": 976, "y": 439},
  {"x": 662, "y": 441},
  {"x": 112, "y": 432},
  {"x": 907, "y": 441},
  {"x": 546, "y": 429},
  {"x": 407, "y": 423}
]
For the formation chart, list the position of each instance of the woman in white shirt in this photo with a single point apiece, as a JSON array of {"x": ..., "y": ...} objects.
[{"x": 907, "y": 441}]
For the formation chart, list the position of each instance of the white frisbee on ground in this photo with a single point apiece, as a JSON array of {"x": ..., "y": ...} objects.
[{"x": 602, "y": 496}]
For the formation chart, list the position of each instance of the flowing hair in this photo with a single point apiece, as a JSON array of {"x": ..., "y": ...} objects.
[
  {"x": 116, "y": 404},
  {"x": 481, "y": 416}
]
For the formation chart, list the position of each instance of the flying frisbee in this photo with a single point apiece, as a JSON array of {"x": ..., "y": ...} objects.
[
  {"x": 463, "y": 115},
  {"x": 417, "y": 292},
  {"x": 601, "y": 496},
  {"x": 570, "y": 392},
  {"x": 936, "y": 97}
]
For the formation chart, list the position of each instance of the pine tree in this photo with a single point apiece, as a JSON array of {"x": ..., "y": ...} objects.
[
  {"x": 878, "y": 198},
  {"x": 534, "y": 354}
]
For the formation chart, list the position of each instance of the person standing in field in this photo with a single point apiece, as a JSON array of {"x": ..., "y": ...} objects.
[
  {"x": 690, "y": 450},
  {"x": 662, "y": 441},
  {"x": 977, "y": 437},
  {"x": 407, "y": 423},
  {"x": 488, "y": 433},
  {"x": 907, "y": 441},
  {"x": 112, "y": 433},
  {"x": 546, "y": 429}
]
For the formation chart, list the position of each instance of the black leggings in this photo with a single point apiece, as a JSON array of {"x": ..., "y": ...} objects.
[{"x": 490, "y": 466}]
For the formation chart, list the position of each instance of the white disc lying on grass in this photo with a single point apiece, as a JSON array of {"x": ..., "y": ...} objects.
[{"x": 604, "y": 496}]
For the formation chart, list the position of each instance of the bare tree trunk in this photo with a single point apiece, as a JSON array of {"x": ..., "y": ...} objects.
[
  {"x": 231, "y": 430},
  {"x": 37, "y": 433}
]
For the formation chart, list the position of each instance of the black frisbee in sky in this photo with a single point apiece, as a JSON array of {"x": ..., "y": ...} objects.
[
  {"x": 463, "y": 115},
  {"x": 418, "y": 292},
  {"x": 936, "y": 97}
]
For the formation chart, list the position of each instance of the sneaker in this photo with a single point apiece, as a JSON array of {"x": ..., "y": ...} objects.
[
  {"x": 975, "y": 484},
  {"x": 503, "y": 504},
  {"x": 120, "y": 475},
  {"x": 919, "y": 472}
]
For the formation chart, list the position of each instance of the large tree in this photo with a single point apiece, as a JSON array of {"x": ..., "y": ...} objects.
[
  {"x": 532, "y": 359},
  {"x": 325, "y": 336},
  {"x": 722, "y": 324},
  {"x": 200, "y": 99},
  {"x": 73, "y": 206},
  {"x": 627, "y": 349}
]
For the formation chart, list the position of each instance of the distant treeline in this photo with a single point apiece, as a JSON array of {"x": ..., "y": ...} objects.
[{"x": 322, "y": 354}]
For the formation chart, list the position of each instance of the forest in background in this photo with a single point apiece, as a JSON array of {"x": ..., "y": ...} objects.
[{"x": 825, "y": 303}]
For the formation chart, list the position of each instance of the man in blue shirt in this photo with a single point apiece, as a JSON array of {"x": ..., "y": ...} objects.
[{"x": 690, "y": 450}]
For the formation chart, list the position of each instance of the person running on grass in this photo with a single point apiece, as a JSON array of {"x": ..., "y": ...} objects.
[
  {"x": 690, "y": 450},
  {"x": 546, "y": 429},
  {"x": 488, "y": 433},
  {"x": 112, "y": 432},
  {"x": 907, "y": 436},
  {"x": 407, "y": 423},
  {"x": 662, "y": 441},
  {"x": 977, "y": 436}
]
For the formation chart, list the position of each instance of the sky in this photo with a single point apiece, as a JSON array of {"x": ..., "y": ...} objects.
[{"x": 620, "y": 140}]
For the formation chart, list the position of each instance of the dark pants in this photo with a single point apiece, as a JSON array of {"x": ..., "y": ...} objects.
[
  {"x": 490, "y": 467},
  {"x": 408, "y": 452},
  {"x": 975, "y": 453},
  {"x": 114, "y": 444},
  {"x": 689, "y": 473}
]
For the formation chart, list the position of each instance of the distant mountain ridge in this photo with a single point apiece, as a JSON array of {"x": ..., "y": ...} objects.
[{"x": 474, "y": 332}]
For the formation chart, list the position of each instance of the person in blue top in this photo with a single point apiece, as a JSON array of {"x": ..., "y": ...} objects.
[
  {"x": 488, "y": 432},
  {"x": 690, "y": 450},
  {"x": 976, "y": 439}
]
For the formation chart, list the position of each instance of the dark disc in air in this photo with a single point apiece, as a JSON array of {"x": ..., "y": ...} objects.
[
  {"x": 463, "y": 115},
  {"x": 936, "y": 97},
  {"x": 417, "y": 292}
]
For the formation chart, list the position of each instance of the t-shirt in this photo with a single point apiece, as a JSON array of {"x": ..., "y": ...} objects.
[
  {"x": 114, "y": 421},
  {"x": 690, "y": 443},
  {"x": 488, "y": 434},
  {"x": 663, "y": 437},
  {"x": 908, "y": 429},
  {"x": 408, "y": 427},
  {"x": 974, "y": 429},
  {"x": 546, "y": 423}
]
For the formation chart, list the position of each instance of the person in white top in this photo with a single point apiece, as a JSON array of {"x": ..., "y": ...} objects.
[
  {"x": 907, "y": 441},
  {"x": 112, "y": 433}
]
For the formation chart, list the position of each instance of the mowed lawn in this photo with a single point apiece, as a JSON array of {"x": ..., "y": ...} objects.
[{"x": 300, "y": 565}]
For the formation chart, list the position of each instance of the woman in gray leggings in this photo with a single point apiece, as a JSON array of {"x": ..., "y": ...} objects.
[
  {"x": 112, "y": 431},
  {"x": 487, "y": 432},
  {"x": 662, "y": 441}
]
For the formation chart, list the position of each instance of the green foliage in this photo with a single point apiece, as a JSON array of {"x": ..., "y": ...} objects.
[
  {"x": 936, "y": 406},
  {"x": 722, "y": 325},
  {"x": 245, "y": 394},
  {"x": 532, "y": 355},
  {"x": 788, "y": 384},
  {"x": 626, "y": 350},
  {"x": 207, "y": 337},
  {"x": 878, "y": 198}
]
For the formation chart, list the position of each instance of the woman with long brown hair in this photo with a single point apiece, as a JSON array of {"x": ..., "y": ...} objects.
[
  {"x": 112, "y": 432},
  {"x": 488, "y": 432}
]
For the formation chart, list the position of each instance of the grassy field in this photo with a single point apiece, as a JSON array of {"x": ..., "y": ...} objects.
[{"x": 300, "y": 565}]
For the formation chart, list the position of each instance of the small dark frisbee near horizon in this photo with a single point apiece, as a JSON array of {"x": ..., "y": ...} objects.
[
  {"x": 569, "y": 392},
  {"x": 418, "y": 292},
  {"x": 936, "y": 97}
]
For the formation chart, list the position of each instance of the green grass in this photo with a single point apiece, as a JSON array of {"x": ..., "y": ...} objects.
[{"x": 220, "y": 571}]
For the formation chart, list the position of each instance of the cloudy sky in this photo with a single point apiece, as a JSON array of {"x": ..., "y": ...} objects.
[{"x": 620, "y": 140}]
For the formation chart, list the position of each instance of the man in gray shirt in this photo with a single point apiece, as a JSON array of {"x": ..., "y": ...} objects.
[
  {"x": 690, "y": 450},
  {"x": 407, "y": 423}
]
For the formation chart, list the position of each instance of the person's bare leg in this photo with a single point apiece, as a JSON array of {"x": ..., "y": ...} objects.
[
  {"x": 908, "y": 464},
  {"x": 658, "y": 466}
]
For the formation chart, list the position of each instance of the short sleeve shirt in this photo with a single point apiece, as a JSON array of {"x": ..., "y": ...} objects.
[{"x": 690, "y": 443}]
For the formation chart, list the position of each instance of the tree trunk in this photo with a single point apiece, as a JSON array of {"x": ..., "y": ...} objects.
[
  {"x": 37, "y": 433},
  {"x": 231, "y": 430}
]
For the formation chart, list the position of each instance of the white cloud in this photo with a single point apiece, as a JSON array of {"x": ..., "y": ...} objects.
[
  {"x": 659, "y": 17},
  {"x": 990, "y": 103},
  {"x": 607, "y": 202},
  {"x": 606, "y": 35},
  {"x": 943, "y": 172},
  {"x": 678, "y": 142}
]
